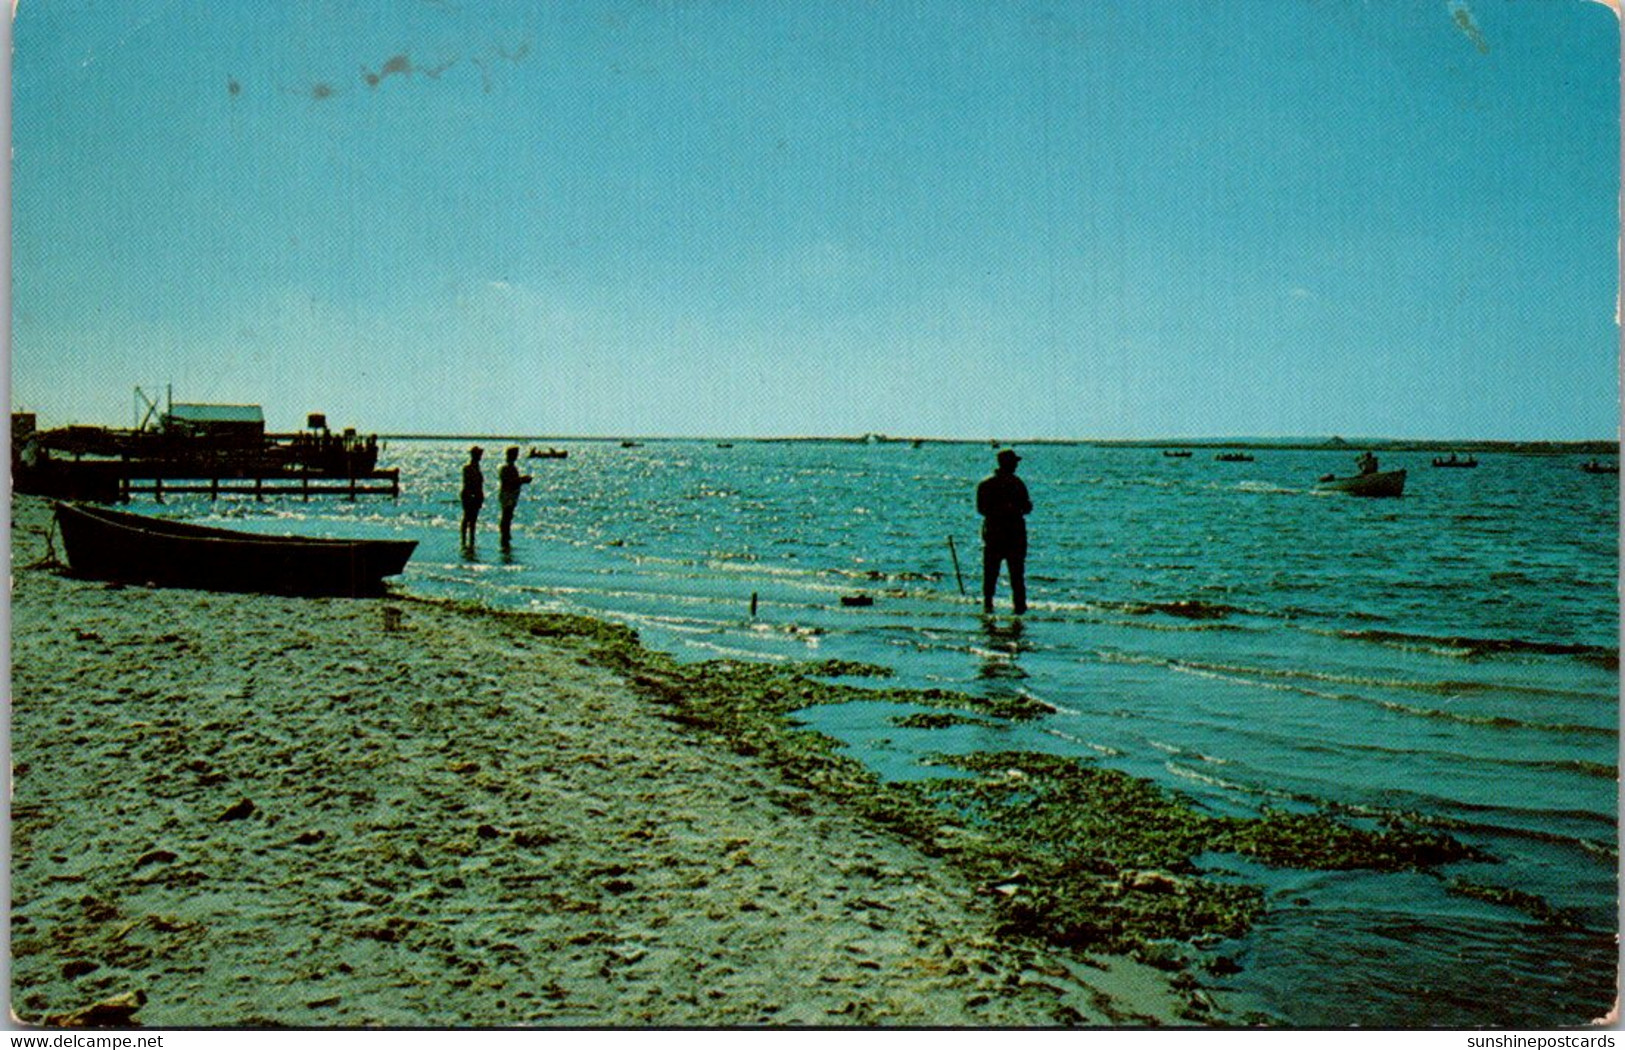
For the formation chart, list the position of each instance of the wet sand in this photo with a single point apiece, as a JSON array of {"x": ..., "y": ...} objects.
[{"x": 239, "y": 810}]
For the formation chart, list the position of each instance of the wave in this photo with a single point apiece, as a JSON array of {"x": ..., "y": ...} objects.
[
  {"x": 1607, "y": 656},
  {"x": 1203, "y": 777},
  {"x": 1188, "y": 609},
  {"x": 1445, "y": 687},
  {"x": 1458, "y": 717},
  {"x": 1293, "y": 612},
  {"x": 1491, "y": 721},
  {"x": 1153, "y": 626},
  {"x": 1071, "y": 738}
]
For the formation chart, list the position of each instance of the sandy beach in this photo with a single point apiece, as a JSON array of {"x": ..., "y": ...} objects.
[{"x": 237, "y": 810}]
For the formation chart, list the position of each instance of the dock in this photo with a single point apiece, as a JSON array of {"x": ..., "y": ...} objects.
[
  {"x": 210, "y": 450},
  {"x": 382, "y": 482}
]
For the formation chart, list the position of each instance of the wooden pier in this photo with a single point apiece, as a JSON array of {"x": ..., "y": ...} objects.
[
  {"x": 385, "y": 482},
  {"x": 208, "y": 450}
]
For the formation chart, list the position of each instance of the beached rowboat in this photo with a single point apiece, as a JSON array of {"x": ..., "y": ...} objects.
[
  {"x": 1384, "y": 483},
  {"x": 110, "y": 545}
]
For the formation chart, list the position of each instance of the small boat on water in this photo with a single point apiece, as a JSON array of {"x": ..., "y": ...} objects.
[
  {"x": 631, "y": 444},
  {"x": 1180, "y": 453},
  {"x": 551, "y": 453},
  {"x": 1383, "y": 483},
  {"x": 1599, "y": 467},
  {"x": 1233, "y": 457},
  {"x": 1452, "y": 461},
  {"x": 106, "y": 544}
]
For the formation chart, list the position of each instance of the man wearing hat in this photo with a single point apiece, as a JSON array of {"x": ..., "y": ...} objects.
[
  {"x": 1003, "y": 503},
  {"x": 473, "y": 494}
]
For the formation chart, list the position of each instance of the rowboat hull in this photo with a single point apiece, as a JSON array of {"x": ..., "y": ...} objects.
[
  {"x": 1385, "y": 483},
  {"x": 104, "y": 544}
]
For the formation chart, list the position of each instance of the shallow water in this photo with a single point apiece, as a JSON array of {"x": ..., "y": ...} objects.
[{"x": 1220, "y": 628}]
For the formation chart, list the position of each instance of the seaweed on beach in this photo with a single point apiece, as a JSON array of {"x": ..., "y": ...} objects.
[
  {"x": 1094, "y": 858},
  {"x": 1532, "y": 905},
  {"x": 937, "y": 720},
  {"x": 1319, "y": 842},
  {"x": 1071, "y": 853}
]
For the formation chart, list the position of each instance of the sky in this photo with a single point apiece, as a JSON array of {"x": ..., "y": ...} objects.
[{"x": 1026, "y": 219}]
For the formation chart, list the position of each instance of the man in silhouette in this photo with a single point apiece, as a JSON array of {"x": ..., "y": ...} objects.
[
  {"x": 1003, "y": 503},
  {"x": 473, "y": 494},
  {"x": 509, "y": 482}
]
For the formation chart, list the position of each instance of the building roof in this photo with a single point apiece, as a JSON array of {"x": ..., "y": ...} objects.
[{"x": 216, "y": 414}]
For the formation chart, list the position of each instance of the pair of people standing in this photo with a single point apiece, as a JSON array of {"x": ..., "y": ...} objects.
[{"x": 509, "y": 482}]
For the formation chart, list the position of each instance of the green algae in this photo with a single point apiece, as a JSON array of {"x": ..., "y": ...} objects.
[
  {"x": 937, "y": 720},
  {"x": 1532, "y": 905},
  {"x": 1070, "y": 853},
  {"x": 1317, "y": 841}
]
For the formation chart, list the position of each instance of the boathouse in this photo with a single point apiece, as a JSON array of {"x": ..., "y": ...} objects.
[{"x": 223, "y": 426}]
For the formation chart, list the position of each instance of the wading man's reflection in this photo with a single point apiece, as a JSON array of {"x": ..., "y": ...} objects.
[{"x": 999, "y": 667}]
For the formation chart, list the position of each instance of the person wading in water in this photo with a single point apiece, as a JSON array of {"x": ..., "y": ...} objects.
[
  {"x": 1003, "y": 503},
  {"x": 473, "y": 494},
  {"x": 509, "y": 482}
]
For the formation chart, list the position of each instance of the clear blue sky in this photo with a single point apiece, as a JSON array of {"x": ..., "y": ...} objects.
[{"x": 1149, "y": 218}]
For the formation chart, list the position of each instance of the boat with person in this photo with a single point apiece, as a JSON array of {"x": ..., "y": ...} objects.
[
  {"x": 1375, "y": 483},
  {"x": 1596, "y": 466},
  {"x": 1233, "y": 457},
  {"x": 103, "y": 544},
  {"x": 549, "y": 453},
  {"x": 1453, "y": 461}
]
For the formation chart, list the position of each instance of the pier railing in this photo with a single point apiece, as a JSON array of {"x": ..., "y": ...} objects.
[{"x": 382, "y": 482}]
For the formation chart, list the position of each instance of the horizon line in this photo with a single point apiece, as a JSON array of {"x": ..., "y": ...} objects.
[{"x": 1306, "y": 441}]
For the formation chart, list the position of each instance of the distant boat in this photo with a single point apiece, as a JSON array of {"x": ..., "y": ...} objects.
[
  {"x": 1452, "y": 461},
  {"x": 552, "y": 453},
  {"x": 1183, "y": 453},
  {"x": 1384, "y": 483},
  {"x": 1598, "y": 467},
  {"x": 1233, "y": 457},
  {"x": 725, "y": 444},
  {"x": 631, "y": 444},
  {"x": 131, "y": 548}
]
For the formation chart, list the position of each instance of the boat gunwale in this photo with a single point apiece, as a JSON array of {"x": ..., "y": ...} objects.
[{"x": 191, "y": 531}]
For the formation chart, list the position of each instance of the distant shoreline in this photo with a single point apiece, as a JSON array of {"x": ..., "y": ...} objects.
[{"x": 1527, "y": 448}]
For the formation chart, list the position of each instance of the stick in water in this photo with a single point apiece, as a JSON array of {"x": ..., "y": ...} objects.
[
  {"x": 753, "y": 605},
  {"x": 957, "y": 576}
]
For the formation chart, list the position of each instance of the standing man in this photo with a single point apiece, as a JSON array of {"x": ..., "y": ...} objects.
[
  {"x": 473, "y": 495},
  {"x": 1003, "y": 503},
  {"x": 509, "y": 482}
]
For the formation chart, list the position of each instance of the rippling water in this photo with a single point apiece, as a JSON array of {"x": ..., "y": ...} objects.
[{"x": 1220, "y": 628}]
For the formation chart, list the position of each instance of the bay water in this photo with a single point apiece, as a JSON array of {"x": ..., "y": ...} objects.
[{"x": 1221, "y": 628}]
